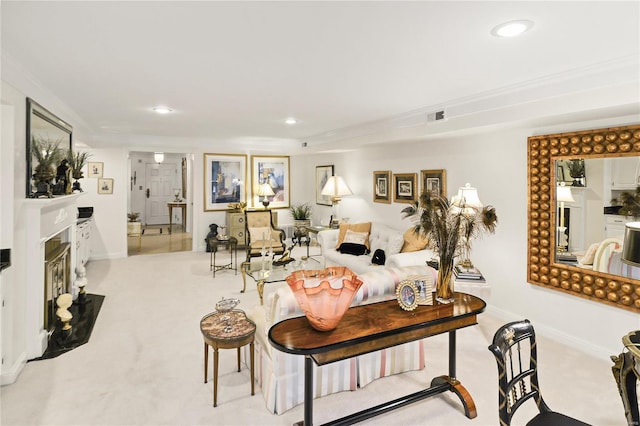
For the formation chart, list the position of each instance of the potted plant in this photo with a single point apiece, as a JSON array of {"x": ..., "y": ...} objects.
[
  {"x": 47, "y": 153},
  {"x": 576, "y": 170},
  {"x": 449, "y": 232},
  {"x": 77, "y": 160},
  {"x": 301, "y": 213},
  {"x": 630, "y": 202}
]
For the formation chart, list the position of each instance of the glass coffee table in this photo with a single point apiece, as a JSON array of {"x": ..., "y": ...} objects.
[{"x": 268, "y": 274}]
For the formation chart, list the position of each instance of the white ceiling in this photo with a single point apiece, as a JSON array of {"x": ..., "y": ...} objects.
[{"x": 234, "y": 71}]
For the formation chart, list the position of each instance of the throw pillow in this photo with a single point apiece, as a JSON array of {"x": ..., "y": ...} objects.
[
  {"x": 356, "y": 227},
  {"x": 413, "y": 241},
  {"x": 354, "y": 249},
  {"x": 378, "y": 257},
  {"x": 590, "y": 255},
  {"x": 355, "y": 237},
  {"x": 259, "y": 234}
]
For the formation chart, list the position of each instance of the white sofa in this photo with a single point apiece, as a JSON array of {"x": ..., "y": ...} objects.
[
  {"x": 380, "y": 237},
  {"x": 281, "y": 375}
]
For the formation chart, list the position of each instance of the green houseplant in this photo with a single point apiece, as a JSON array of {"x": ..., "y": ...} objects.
[
  {"x": 301, "y": 211},
  {"x": 630, "y": 202}
]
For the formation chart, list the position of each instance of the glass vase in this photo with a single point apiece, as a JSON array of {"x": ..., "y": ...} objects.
[{"x": 444, "y": 283}]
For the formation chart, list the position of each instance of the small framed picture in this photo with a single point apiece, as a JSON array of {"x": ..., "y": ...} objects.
[
  {"x": 404, "y": 185},
  {"x": 323, "y": 173},
  {"x": 407, "y": 295},
  {"x": 424, "y": 284},
  {"x": 381, "y": 187},
  {"x": 434, "y": 182},
  {"x": 105, "y": 185},
  {"x": 94, "y": 170}
]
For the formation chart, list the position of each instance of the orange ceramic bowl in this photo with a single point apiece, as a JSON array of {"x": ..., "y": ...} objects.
[{"x": 324, "y": 295}]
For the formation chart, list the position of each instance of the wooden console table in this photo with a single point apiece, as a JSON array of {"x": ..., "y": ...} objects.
[
  {"x": 180, "y": 205},
  {"x": 376, "y": 326}
]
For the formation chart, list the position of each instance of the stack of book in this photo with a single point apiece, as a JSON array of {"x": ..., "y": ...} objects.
[{"x": 468, "y": 274}]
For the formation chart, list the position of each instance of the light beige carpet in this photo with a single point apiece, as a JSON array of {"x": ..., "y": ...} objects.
[{"x": 144, "y": 364}]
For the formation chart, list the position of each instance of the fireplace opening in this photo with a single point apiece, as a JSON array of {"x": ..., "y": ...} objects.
[{"x": 57, "y": 280}]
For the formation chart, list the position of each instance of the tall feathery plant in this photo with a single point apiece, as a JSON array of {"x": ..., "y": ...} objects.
[
  {"x": 48, "y": 154},
  {"x": 77, "y": 160}
]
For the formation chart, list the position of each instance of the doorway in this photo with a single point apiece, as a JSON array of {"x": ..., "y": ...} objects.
[{"x": 153, "y": 186}]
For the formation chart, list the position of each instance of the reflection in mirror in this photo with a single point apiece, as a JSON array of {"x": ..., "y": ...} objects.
[
  {"x": 577, "y": 250},
  {"x": 52, "y": 137}
]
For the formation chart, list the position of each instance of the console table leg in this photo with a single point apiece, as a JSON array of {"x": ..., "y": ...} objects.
[
  {"x": 452, "y": 354},
  {"x": 465, "y": 397},
  {"x": 308, "y": 391}
]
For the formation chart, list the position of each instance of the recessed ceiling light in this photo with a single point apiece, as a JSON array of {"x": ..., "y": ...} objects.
[
  {"x": 291, "y": 121},
  {"x": 512, "y": 28},
  {"x": 162, "y": 110}
]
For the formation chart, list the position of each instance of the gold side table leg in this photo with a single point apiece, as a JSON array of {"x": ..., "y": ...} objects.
[{"x": 244, "y": 275}]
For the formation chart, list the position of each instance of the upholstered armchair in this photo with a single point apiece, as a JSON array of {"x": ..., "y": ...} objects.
[{"x": 261, "y": 233}]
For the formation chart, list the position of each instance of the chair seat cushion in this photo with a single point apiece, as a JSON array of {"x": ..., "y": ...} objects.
[{"x": 551, "y": 418}]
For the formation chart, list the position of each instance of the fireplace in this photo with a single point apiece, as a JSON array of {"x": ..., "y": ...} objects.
[{"x": 57, "y": 277}]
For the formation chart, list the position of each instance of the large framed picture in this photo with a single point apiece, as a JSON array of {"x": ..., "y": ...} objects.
[
  {"x": 273, "y": 170},
  {"x": 434, "y": 181},
  {"x": 105, "y": 185},
  {"x": 404, "y": 187},
  {"x": 225, "y": 177},
  {"x": 323, "y": 173},
  {"x": 382, "y": 186}
]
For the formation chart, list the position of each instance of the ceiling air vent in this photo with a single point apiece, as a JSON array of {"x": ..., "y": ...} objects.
[{"x": 436, "y": 116}]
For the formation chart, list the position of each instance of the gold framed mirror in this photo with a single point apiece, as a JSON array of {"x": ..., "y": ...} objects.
[{"x": 542, "y": 267}]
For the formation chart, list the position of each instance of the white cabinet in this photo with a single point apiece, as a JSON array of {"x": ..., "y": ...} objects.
[
  {"x": 83, "y": 242},
  {"x": 614, "y": 225},
  {"x": 625, "y": 172}
]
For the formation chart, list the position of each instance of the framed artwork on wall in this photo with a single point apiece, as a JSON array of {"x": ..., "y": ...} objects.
[
  {"x": 404, "y": 187},
  {"x": 323, "y": 173},
  {"x": 382, "y": 186},
  {"x": 274, "y": 171},
  {"x": 225, "y": 180},
  {"x": 94, "y": 170},
  {"x": 434, "y": 181},
  {"x": 105, "y": 185}
]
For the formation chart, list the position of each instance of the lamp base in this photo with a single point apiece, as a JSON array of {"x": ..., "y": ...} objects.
[{"x": 265, "y": 203}]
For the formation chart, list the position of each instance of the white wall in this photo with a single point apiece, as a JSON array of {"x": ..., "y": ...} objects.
[{"x": 496, "y": 163}]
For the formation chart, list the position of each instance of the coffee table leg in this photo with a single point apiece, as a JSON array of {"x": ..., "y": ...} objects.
[
  {"x": 206, "y": 360},
  {"x": 215, "y": 377},
  {"x": 244, "y": 276}
]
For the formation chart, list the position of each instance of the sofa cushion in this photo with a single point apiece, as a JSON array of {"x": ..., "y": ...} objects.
[
  {"x": 352, "y": 248},
  {"x": 355, "y": 237},
  {"x": 413, "y": 241},
  {"x": 356, "y": 227},
  {"x": 378, "y": 257}
]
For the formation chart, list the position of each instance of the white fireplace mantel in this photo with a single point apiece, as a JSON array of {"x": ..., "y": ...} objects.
[{"x": 46, "y": 217}]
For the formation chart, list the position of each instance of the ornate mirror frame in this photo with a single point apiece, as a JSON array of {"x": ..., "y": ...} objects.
[{"x": 542, "y": 269}]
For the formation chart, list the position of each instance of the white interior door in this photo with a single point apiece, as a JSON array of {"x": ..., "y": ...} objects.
[{"x": 161, "y": 179}]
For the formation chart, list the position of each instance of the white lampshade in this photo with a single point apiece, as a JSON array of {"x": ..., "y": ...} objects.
[
  {"x": 158, "y": 157},
  {"x": 335, "y": 188},
  {"x": 564, "y": 194},
  {"x": 265, "y": 190},
  {"x": 466, "y": 200}
]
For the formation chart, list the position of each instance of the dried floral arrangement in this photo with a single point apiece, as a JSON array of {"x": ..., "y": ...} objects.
[{"x": 630, "y": 202}]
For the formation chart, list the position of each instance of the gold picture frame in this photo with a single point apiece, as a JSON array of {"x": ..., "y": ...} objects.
[
  {"x": 225, "y": 177},
  {"x": 94, "y": 169},
  {"x": 382, "y": 186},
  {"x": 105, "y": 185},
  {"x": 434, "y": 181},
  {"x": 407, "y": 295},
  {"x": 404, "y": 187}
]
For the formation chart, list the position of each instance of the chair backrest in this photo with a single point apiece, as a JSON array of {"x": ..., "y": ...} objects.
[
  {"x": 514, "y": 346},
  {"x": 261, "y": 221}
]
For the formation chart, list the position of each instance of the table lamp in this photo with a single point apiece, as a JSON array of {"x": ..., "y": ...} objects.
[
  {"x": 466, "y": 202},
  {"x": 265, "y": 191},
  {"x": 335, "y": 188},
  {"x": 563, "y": 195},
  {"x": 631, "y": 246}
]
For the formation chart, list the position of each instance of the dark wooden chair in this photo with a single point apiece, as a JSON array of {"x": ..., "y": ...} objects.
[
  {"x": 626, "y": 371},
  {"x": 261, "y": 232},
  {"x": 514, "y": 346}
]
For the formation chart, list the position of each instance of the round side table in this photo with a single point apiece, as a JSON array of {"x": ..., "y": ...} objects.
[{"x": 226, "y": 330}]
